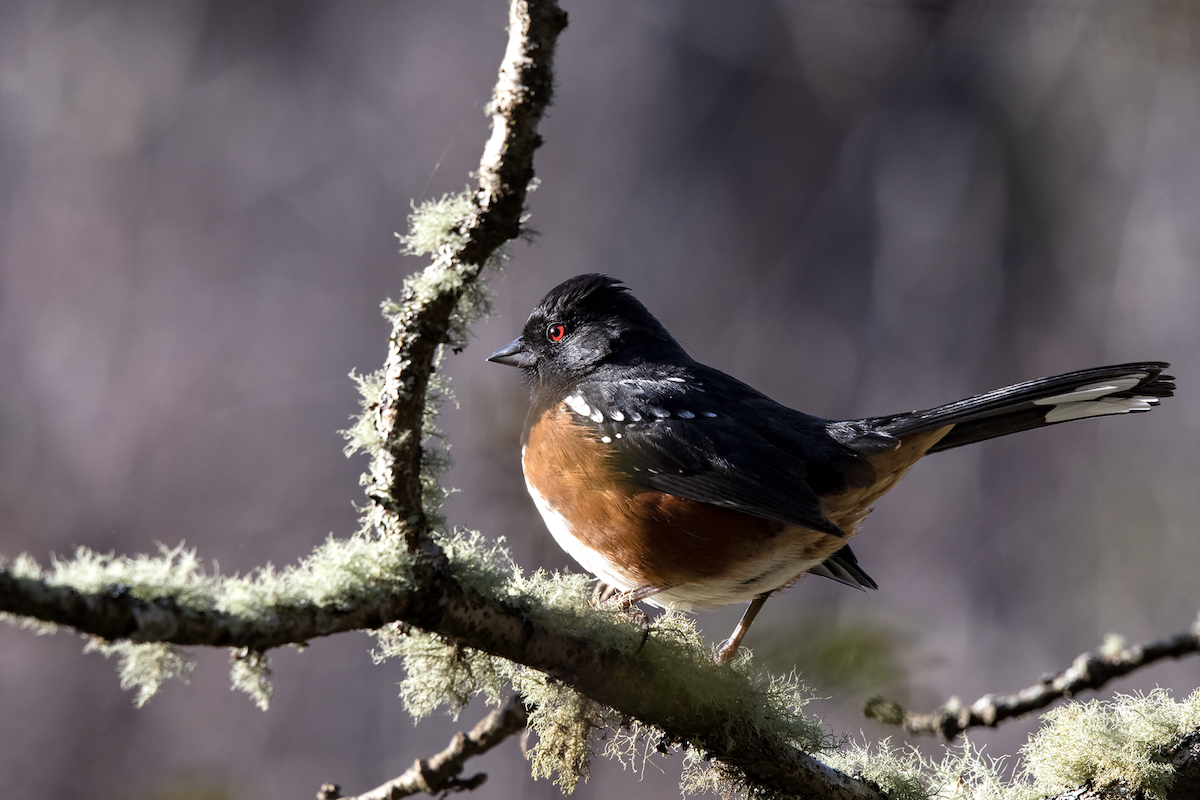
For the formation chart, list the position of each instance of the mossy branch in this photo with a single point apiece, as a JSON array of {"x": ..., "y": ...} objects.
[
  {"x": 1182, "y": 761},
  {"x": 1088, "y": 672},
  {"x": 1142, "y": 746},
  {"x": 438, "y": 303},
  {"x": 478, "y": 601},
  {"x": 1132, "y": 747}
]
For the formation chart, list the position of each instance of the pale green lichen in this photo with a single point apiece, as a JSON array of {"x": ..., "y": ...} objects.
[
  {"x": 770, "y": 705},
  {"x": 175, "y": 574},
  {"x": 340, "y": 573},
  {"x": 444, "y": 674},
  {"x": 363, "y": 436},
  {"x": 24, "y": 566},
  {"x": 566, "y": 723},
  {"x": 1112, "y": 645},
  {"x": 145, "y": 667},
  {"x": 634, "y": 744},
  {"x": 35, "y": 626},
  {"x": 251, "y": 673},
  {"x": 1122, "y": 741},
  {"x": 701, "y": 776},
  {"x": 1125, "y": 741},
  {"x": 440, "y": 672},
  {"x": 963, "y": 773},
  {"x": 902, "y": 773},
  {"x": 436, "y": 224}
]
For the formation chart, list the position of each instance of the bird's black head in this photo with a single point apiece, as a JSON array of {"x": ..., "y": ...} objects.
[{"x": 582, "y": 325}]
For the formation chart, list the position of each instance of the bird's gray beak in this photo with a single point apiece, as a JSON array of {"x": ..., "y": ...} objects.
[{"x": 514, "y": 354}]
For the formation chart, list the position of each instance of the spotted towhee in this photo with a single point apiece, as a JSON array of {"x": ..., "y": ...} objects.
[{"x": 684, "y": 487}]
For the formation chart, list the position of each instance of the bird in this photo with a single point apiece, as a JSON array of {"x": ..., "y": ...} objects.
[{"x": 678, "y": 485}]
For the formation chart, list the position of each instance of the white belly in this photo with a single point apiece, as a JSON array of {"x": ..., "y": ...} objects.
[{"x": 587, "y": 558}]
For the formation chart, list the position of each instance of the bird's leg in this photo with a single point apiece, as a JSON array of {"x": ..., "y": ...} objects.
[{"x": 730, "y": 648}]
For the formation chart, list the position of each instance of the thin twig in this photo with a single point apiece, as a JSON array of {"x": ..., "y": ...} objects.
[
  {"x": 440, "y": 773},
  {"x": 1089, "y": 671}
]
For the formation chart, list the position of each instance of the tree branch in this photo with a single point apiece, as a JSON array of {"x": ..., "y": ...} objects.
[
  {"x": 1089, "y": 671},
  {"x": 440, "y": 773},
  {"x": 635, "y": 683},
  {"x": 424, "y": 319}
]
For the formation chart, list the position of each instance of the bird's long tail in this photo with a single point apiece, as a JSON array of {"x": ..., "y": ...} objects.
[{"x": 1096, "y": 392}]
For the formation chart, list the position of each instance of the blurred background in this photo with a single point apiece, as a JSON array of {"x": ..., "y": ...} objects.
[{"x": 858, "y": 206}]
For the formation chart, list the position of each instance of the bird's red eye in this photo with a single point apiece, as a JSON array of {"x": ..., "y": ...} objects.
[{"x": 556, "y": 332}]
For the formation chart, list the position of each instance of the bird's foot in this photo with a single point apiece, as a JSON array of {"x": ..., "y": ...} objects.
[
  {"x": 605, "y": 596},
  {"x": 729, "y": 649}
]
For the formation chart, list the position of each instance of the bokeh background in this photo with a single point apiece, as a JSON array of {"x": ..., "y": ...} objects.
[{"x": 858, "y": 206}]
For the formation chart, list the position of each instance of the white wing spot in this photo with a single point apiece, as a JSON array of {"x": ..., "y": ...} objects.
[
  {"x": 597, "y": 416},
  {"x": 660, "y": 413},
  {"x": 709, "y": 414},
  {"x": 617, "y": 416},
  {"x": 635, "y": 416},
  {"x": 606, "y": 439},
  {"x": 686, "y": 415},
  {"x": 676, "y": 380},
  {"x": 578, "y": 405}
]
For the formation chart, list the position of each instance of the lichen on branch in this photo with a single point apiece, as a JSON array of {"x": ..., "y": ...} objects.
[{"x": 464, "y": 234}]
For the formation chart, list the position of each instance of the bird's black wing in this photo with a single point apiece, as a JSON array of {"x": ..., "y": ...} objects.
[{"x": 706, "y": 437}]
